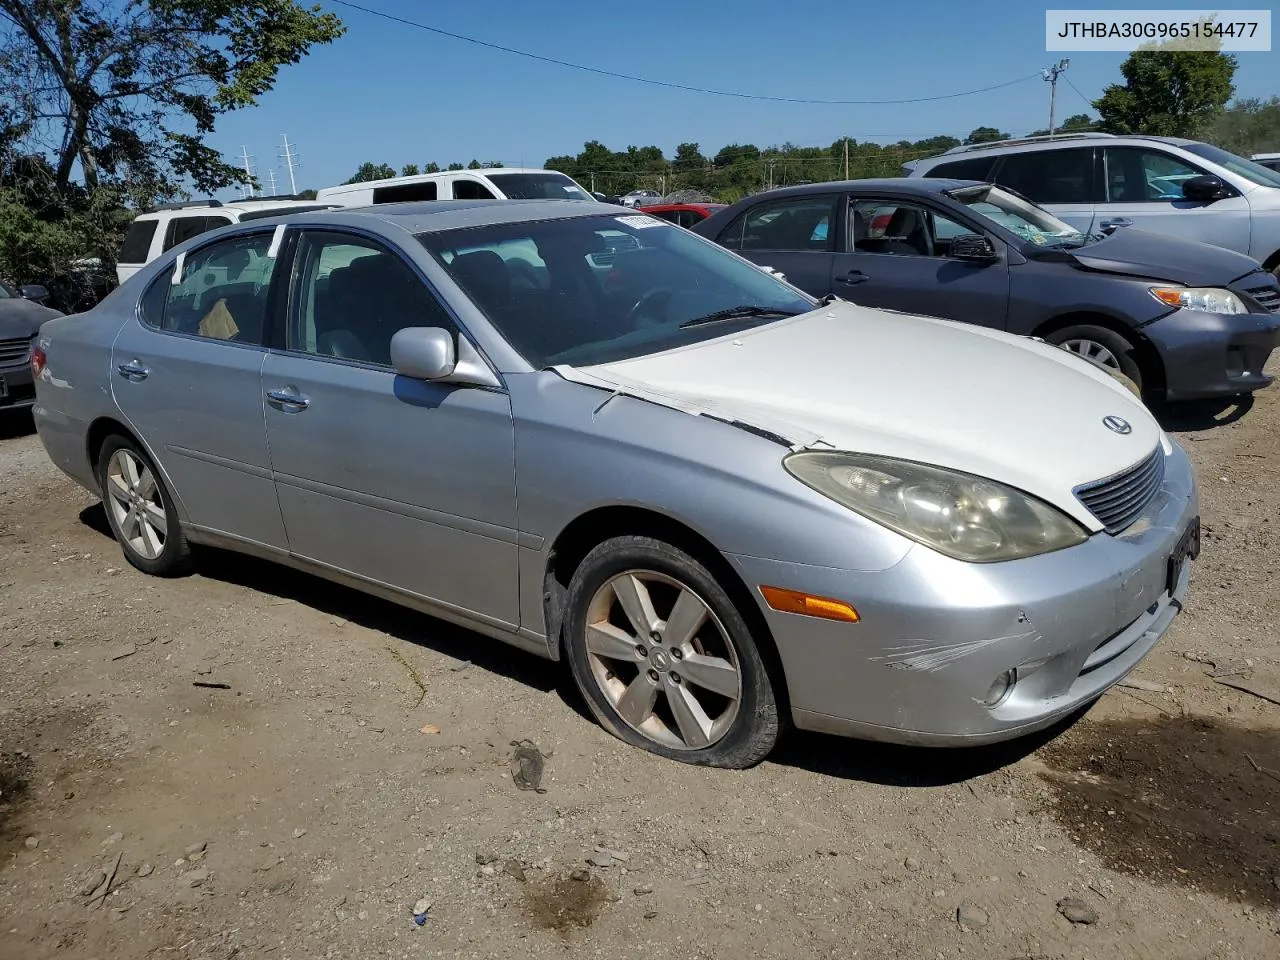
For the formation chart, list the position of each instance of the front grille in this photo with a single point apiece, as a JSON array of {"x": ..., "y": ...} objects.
[
  {"x": 1267, "y": 295},
  {"x": 1117, "y": 501},
  {"x": 12, "y": 351}
]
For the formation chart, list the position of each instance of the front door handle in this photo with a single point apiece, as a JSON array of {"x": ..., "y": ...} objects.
[
  {"x": 1107, "y": 226},
  {"x": 288, "y": 401},
  {"x": 133, "y": 371},
  {"x": 853, "y": 277}
]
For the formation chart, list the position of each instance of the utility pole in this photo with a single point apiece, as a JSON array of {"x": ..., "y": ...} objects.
[
  {"x": 846, "y": 158},
  {"x": 290, "y": 161},
  {"x": 1050, "y": 75},
  {"x": 247, "y": 161},
  {"x": 271, "y": 176}
]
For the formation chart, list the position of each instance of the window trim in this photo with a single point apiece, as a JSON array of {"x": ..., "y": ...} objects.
[
  {"x": 165, "y": 276},
  {"x": 921, "y": 204},
  {"x": 280, "y": 329}
]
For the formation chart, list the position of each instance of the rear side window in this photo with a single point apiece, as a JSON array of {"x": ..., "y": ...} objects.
[
  {"x": 797, "y": 223},
  {"x": 184, "y": 228},
  {"x": 221, "y": 295},
  {"x": 971, "y": 168},
  {"x": 471, "y": 190},
  {"x": 405, "y": 192},
  {"x": 1050, "y": 176},
  {"x": 137, "y": 241}
]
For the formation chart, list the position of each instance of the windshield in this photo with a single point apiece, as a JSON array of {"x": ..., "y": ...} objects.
[
  {"x": 538, "y": 186},
  {"x": 7, "y": 292},
  {"x": 598, "y": 289},
  {"x": 1021, "y": 217},
  {"x": 1237, "y": 165}
]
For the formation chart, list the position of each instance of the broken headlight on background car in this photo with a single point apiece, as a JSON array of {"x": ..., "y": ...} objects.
[
  {"x": 1204, "y": 299},
  {"x": 959, "y": 515}
]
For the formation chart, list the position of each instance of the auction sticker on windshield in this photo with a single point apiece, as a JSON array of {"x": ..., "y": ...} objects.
[{"x": 639, "y": 221}]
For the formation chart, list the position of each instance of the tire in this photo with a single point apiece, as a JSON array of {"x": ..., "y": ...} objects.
[
  {"x": 1102, "y": 346},
  {"x": 640, "y": 687},
  {"x": 140, "y": 510}
]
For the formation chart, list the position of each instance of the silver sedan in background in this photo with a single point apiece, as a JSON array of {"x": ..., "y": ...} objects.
[{"x": 600, "y": 438}]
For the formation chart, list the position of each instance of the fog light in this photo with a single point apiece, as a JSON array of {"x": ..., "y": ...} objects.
[{"x": 1001, "y": 688}]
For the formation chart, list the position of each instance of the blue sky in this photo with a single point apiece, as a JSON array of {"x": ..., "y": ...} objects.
[{"x": 390, "y": 93}]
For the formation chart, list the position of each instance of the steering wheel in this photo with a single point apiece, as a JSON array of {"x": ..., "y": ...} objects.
[{"x": 646, "y": 301}]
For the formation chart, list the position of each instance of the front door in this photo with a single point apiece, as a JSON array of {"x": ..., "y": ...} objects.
[
  {"x": 794, "y": 236},
  {"x": 401, "y": 482},
  {"x": 186, "y": 376},
  {"x": 899, "y": 260}
]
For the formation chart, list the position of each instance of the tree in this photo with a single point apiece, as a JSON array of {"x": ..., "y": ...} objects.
[
  {"x": 409, "y": 170},
  {"x": 455, "y": 166},
  {"x": 306, "y": 194},
  {"x": 1075, "y": 123},
  {"x": 130, "y": 88},
  {"x": 372, "y": 171},
  {"x": 1247, "y": 127},
  {"x": 1167, "y": 92},
  {"x": 432, "y": 167},
  {"x": 985, "y": 135}
]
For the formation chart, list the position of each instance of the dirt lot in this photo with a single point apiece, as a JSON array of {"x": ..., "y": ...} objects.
[{"x": 298, "y": 809}]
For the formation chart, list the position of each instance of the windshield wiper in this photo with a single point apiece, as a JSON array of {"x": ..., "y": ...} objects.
[{"x": 744, "y": 312}]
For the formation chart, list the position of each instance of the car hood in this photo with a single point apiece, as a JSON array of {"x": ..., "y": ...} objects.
[
  {"x": 22, "y": 318},
  {"x": 1140, "y": 254},
  {"x": 845, "y": 377}
]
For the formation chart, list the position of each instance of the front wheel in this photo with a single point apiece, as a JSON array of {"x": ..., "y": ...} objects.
[
  {"x": 140, "y": 510},
  {"x": 664, "y": 658},
  {"x": 1102, "y": 346}
]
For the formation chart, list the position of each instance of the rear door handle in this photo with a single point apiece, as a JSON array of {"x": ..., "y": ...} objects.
[
  {"x": 288, "y": 401},
  {"x": 853, "y": 277},
  {"x": 1116, "y": 222},
  {"x": 133, "y": 371}
]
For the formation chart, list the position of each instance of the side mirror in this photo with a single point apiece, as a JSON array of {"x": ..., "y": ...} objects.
[
  {"x": 33, "y": 291},
  {"x": 972, "y": 247},
  {"x": 600, "y": 196},
  {"x": 1205, "y": 189},
  {"x": 424, "y": 353}
]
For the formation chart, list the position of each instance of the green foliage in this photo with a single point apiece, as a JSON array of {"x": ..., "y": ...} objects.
[
  {"x": 985, "y": 135},
  {"x": 432, "y": 168},
  {"x": 409, "y": 170},
  {"x": 1168, "y": 92},
  {"x": 1077, "y": 122},
  {"x": 455, "y": 166},
  {"x": 306, "y": 194},
  {"x": 372, "y": 171},
  {"x": 1247, "y": 127}
]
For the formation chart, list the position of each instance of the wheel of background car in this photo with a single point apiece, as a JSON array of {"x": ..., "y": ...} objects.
[
  {"x": 140, "y": 510},
  {"x": 1101, "y": 345},
  {"x": 664, "y": 658},
  {"x": 649, "y": 299}
]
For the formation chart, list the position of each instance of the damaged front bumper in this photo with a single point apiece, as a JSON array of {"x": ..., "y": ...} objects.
[{"x": 936, "y": 636}]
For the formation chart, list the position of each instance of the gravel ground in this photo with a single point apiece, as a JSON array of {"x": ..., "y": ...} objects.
[{"x": 251, "y": 762}]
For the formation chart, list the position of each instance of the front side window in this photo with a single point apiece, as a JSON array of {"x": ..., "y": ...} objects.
[
  {"x": 1139, "y": 175},
  {"x": 1262, "y": 172},
  {"x": 352, "y": 296},
  {"x": 471, "y": 190},
  {"x": 794, "y": 224},
  {"x": 610, "y": 287},
  {"x": 1050, "y": 176},
  {"x": 904, "y": 229},
  {"x": 538, "y": 186},
  {"x": 222, "y": 294}
]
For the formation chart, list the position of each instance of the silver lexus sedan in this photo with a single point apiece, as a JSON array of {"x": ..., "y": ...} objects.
[{"x": 604, "y": 440}]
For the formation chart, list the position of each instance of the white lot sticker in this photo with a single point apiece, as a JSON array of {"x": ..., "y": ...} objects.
[{"x": 640, "y": 221}]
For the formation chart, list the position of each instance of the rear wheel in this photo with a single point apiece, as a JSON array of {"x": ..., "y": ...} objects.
[
  {"x": 664, "y": 658},
  {"x": 1102, "y": 346},
  {"x": 140, "y": 510}
]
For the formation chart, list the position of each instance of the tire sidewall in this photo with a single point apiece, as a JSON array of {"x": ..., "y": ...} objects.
[
  {"x": 1119, "y": 346},
  {"x": 755, "y": 728},
  {"x": 174, "y": 555}
]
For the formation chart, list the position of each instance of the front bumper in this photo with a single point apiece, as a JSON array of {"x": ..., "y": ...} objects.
[
  {"x": 935, "y": 633},
  {"x": 16, "y": 388},
  {"x": 1214, "y": 355}
]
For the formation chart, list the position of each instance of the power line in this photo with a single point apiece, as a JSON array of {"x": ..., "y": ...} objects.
[
  {"x": 1077, "y": 90},
  {"x": 669, "y": 84}
]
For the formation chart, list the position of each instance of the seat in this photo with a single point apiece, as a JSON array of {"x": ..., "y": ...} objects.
[
  {"x": 483, "y": 275},
  {"x": 906, "y": 234}
]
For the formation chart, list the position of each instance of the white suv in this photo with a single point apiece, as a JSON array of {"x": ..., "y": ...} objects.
[
  {"x": 151, "y": 234},
  {"x": 490, "y": 183},
  {"x": 1098, "y": 183}
]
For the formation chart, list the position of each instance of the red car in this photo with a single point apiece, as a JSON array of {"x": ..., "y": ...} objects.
[{"x": 683, "y": 214}]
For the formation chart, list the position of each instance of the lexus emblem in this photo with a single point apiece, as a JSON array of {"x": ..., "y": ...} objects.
[{"x": 1117, "y": 425}]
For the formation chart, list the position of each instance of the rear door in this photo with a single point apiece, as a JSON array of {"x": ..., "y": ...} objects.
[
  {"x": 185, "y": 374},
  {"x": 1144, "y": 188},
  {"x": 793, "y": 235},
  {"x": 899, "y": 258},
  {"x": 1063, "y": 179}
]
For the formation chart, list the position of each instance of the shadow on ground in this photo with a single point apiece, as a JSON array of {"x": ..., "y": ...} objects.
[
  {"x": 1197, "y": 415},
  {"x": 16, "y": 423}
]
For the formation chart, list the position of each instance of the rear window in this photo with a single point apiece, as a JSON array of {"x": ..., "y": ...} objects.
[
  {"x": 184, "y": 228},
  {"x": 1051, "y": 176},
  {"x": 971, "y": 168},
  {"x": 538, "y": 186},
  {"x": 137, "y": 241},
  {"x": 405, "y": 192}
]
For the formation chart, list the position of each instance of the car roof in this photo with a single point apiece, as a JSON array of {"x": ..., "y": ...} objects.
[
  {"x": 911, "y": 185},
  {"x": 425, "y": 177},
  {"x": 428, "y": 216},
  {"x": 690, "y": 205},
  {"x": 1034, "y": 144},
  {"x": 233, "y": 206}
]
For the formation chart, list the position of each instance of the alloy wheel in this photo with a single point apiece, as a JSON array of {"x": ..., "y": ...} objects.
[
  {"x": 133, "y": 496},
  {"x": 663, "y": 660},
  {"x": 1092, "y": 350}
]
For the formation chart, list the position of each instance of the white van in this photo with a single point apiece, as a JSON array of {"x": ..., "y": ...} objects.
[{"x": 491, "y": 183}]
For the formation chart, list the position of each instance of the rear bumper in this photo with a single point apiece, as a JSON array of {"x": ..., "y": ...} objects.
[
  {"x": 16, "y": 388},
  {"x": 1209, "y": 355},
  {"x": 935, "y": 633}
]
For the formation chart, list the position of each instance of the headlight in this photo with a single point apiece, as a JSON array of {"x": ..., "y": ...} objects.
[
  {"x": 957, "y": 514},
  {"x": 1204, "y": 299}
]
